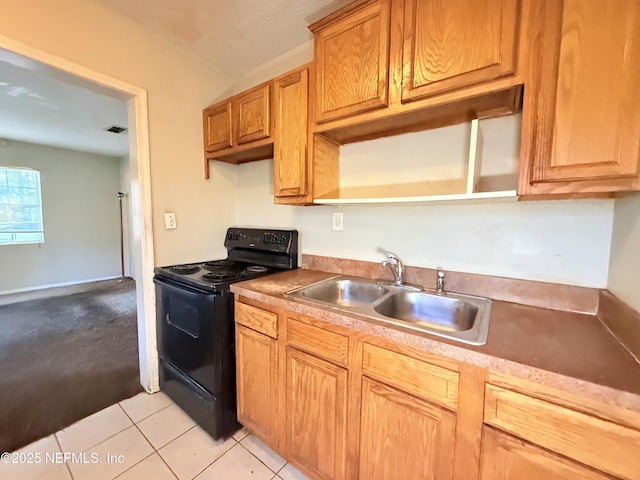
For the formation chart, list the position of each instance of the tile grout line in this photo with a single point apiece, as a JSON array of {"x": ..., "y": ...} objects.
[
  {"x": 157, "y": 450},
  {"x": 137, "y": 463},
  {"x": 217, "y": 458},
  {"x": 108, "y": 438},
  {"x": 150, "y": 415},
  {"x": 270, "y": 469},
  {"x": 101, "y": 441},
  {"x": 55, "y": 436},
  {"x": 164, "y": 444},
  {"x": 133, "y": 424},
  {"x": 125, "y": 412}
]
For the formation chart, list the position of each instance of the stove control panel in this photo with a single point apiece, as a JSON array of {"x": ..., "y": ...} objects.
[{"x": 281, "y": 241}]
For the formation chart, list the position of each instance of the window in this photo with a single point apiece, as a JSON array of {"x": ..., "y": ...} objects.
[{"x": 20, "y": 206}]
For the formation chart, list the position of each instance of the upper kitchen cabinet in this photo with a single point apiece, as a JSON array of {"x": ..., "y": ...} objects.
[
  {"x": 290, "y": 167},
  {"x": 301, "y": 170},
  {"x": 253, "y": 114},
  {"x": 454, "y": 44},
  {"x": 581, "y": 127},
  {"x": 386, "y": 67},
  {"x": 238, "y": 130},
  {"x": 352, "y": 57},
  {"x": 217, "y": 127}
]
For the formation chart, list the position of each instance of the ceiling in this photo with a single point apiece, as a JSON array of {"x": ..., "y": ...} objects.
[
  {"x": 232, "y": 35},
  {"x": 43, "y": 105}
]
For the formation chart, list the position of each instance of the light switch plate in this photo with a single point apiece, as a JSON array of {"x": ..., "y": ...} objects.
[{"x": 170, "y": 221}]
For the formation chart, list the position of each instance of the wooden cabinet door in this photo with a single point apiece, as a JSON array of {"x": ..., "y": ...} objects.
[
  {"x": 217, "y": 127},
  {"x": 253, "y": 115},
  {"x": 456, "y": 43},
  {"x": 290, "y": 142},
  {"x": 403, "y": 437},
  {"x": 317, "y": 411},
  {"x": 504, "y": 457},
  {"x": 581, "y": 127},
  {"x": 352, "y": 62},
  {"x": 257, "y": 382}
]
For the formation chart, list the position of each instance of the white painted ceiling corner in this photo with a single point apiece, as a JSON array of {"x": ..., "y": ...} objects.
[{"x": 46, "y": 106}]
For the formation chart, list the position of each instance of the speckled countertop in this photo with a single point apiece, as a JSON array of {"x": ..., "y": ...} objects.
[{"x": 574, "y": 352}]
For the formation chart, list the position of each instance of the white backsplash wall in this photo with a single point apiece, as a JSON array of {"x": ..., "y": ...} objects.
[
  {"x": 433, "y": 156},
  {"x": 624, "y": 269},
  {"x": 80, "y": 216},
  {"x": 562, "y": 242}
]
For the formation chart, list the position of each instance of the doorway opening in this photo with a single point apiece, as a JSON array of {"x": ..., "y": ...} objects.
[{"x": 141, "y": 234}]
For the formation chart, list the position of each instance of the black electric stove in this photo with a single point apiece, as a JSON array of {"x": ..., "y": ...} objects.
[{"x": 195, "y": 324}]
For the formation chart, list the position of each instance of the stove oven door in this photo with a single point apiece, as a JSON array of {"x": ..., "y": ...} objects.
[{"x": 192, "y": 328}]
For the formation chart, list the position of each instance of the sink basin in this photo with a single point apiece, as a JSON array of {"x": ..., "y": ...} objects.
[
  {"x": 435, "y": 311},
  {"x": 344, "y": 292},
  {"x": 464, "y": 318}
]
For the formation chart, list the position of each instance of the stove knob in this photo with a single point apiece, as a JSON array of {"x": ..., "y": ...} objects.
[
  {"x": 283, "y": 240},
  {"x": 265, "y": 239},
  {"x": 274, "y": 239},
  {"x": 229, "y": 236}
]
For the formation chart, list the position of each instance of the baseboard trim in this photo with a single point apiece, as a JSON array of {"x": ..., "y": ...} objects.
[{"x": 54, "y": 285}]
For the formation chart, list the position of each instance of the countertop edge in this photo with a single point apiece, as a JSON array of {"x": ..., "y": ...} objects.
[{"x": 568, "y": 384}]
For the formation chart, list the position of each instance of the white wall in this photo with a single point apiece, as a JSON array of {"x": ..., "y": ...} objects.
[
  {"x": 624, "y": 269},
  {"x": 80, "y": 216},
  {"x": 179, "y": 86}
]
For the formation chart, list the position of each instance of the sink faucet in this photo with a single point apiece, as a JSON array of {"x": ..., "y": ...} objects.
[{"x": 396, "y": 266}]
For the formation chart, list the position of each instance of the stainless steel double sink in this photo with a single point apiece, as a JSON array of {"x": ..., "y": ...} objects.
[{"x": 464, "y": 318}]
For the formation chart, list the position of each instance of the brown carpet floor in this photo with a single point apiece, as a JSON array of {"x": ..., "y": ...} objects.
[{"x": 64, "y": 357}]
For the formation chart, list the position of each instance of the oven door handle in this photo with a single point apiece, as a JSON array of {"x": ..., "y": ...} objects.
[{"x": 178, "y": 327}]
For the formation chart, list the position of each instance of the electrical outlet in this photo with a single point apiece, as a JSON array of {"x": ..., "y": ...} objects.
[
  {"x": 170, "y": 221},
  {"x": 337, "y": 221}
]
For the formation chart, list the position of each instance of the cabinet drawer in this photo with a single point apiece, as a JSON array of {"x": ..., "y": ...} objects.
[
  {"x": 595, "y": 442},
  {"x": 257, "y": 319},
  {"x": 323, "y": 343},
  {"x": 411, "y": 375}
]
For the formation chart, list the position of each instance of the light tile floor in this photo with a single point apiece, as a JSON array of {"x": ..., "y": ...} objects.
[{"x": 144, "y": 437}]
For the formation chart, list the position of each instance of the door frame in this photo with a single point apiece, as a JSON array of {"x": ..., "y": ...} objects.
[{"x": 141, "y": 212}]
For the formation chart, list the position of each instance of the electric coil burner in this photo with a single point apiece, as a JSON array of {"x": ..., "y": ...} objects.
[
  {"x": 185, "y": 269},
  {"x": 195, "y": 324}
]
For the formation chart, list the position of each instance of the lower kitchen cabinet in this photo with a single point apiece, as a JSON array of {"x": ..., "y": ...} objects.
[
  {"x": 257, "y": 382},
  {"x": 344, "y": 405},
  {"x": 507, "y": 458},
  {"x": 316, "y": 392},
  {"x": 573, "y": 441},
  {"x": 403, "y": 437}
]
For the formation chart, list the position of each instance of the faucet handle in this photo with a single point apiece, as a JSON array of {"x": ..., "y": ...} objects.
[
  {"x": 391, "y": 256},
  {"x": 440, "y": 283}
]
